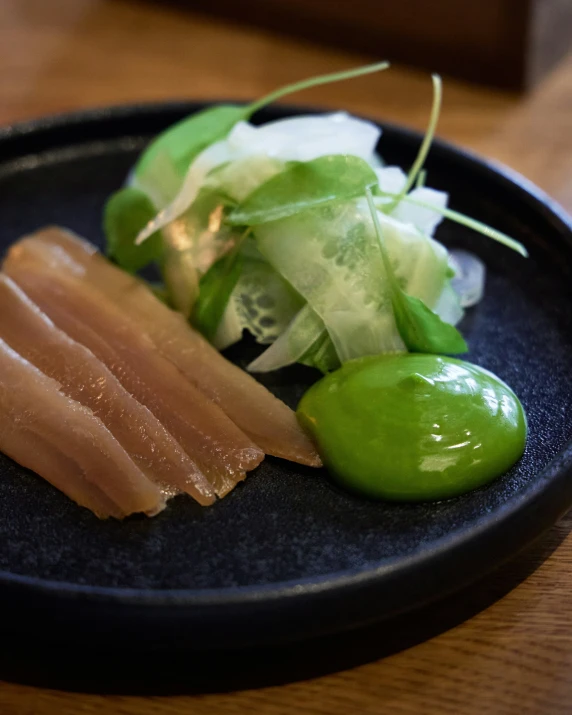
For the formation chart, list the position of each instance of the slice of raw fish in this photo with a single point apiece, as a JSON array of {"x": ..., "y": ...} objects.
[
  {"x": 223, "y": 453},
  {"x": 65, "y": 443},
  {"x": 86, "y": 379},
  {"x": 262, "y": 416}
]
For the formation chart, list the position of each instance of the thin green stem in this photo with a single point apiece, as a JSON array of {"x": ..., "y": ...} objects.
[
  {"x": 380, "y": 242},
  {"x": 428, "y": 140},
  {"x": 471, "y": 223},
  {"x": 417, "y": 167},
  {"x": 313, "y": 82}
]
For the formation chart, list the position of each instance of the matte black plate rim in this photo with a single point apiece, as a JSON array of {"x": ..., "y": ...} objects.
[{"x": 546, "y": 500}]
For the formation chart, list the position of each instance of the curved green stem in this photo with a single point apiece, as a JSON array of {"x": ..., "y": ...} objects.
[
  {"x": 417, "y": 167},
  {"x": 460, "y": 218},
  {"x": 313, "y": 82}
]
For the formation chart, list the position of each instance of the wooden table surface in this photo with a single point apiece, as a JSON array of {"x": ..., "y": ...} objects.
[{"x": 516, "y": 655}]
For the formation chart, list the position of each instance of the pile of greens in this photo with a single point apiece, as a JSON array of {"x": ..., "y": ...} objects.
[{"x": 294, "y": 231}]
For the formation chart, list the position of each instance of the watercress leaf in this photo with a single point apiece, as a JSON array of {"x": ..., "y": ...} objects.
[
  {"x": 305, "y": 185},
  {"x": 202, "y": 131},
  {"x": 125, "y": 214},
  {"x": 422, "y": 330},
  {"x": 183, "y": 141},
  {"x": 215, "y": 289}
]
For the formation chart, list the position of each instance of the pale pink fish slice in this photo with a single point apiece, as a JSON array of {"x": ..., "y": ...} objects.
[
  {"x": 221, "y": 450},
  {"x": 270, "y": 423},
  {"x": 84, "y": 378},
  {"x": 66, "y": 444}
]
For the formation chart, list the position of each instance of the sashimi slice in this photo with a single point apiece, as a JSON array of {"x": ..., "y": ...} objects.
[
  {"x": 221, "y": 450},
  {"x": 84, "y": 378},
  {"x": 65, "y": 443},
  {"x": 262, "y": 416}
]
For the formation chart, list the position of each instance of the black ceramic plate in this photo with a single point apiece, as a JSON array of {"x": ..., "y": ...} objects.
[{"x": 287, "y": 555}]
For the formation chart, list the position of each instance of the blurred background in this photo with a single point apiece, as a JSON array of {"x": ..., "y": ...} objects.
[
  {"x": 506, "y": 63},
  {"x": 504, "y": 43}
]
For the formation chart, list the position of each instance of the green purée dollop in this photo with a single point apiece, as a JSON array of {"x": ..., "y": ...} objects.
[{"x": 414, "y": 426}]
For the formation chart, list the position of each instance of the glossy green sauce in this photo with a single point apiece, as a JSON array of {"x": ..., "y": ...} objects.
[{"x": 414, "y": 427}]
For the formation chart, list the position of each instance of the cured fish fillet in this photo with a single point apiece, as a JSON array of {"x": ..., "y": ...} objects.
[
  {"x": 84, "y": 378},
  {"x": 65, "y": 443},
  {"x": 270, "y": 423},
  {"x": 221, "y": 450}
]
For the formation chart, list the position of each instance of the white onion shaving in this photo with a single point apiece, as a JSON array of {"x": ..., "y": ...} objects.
[
  {"x": 469, "y": 280},
  {"x": 300, "y": 138}
]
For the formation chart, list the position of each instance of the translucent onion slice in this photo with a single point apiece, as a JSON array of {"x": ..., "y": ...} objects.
[{"x": 469, "y": 279}]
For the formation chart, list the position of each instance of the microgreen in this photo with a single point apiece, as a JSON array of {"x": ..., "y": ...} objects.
[
  {"x": 305, "y": 185},
  {"x": 420, "y": 328}
]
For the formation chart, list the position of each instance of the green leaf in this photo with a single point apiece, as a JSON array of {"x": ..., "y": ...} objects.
[
  {"x": 305, "y": 185},
  {"x": 182, "y": 142},
  {"x": 215, "y": 289},
  {"x": 186, "y": 139},
  {"x": 174, "y": 150},
  {"x": 126, "y": 212},
  {"x": 420, "y": 328}
]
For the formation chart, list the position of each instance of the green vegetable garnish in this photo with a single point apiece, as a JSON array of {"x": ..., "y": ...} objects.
[
  {"x": 215, "y": 289},
  {"x": 305, "y": 185},
  {"x": 182, "y": 142},
  {"x": 223, "y": 122},
  {"x": 126, "y": 212},
  {"x": 314, "y": 82},
  {"x": 429, "y": 135},
  {"x": 475, "y": 225},
  {"x": 421, "y": 329},
  {"x": 323, "y": 278},
  {"x": 421, "y": 179},
  {"x": 185, "y": 140}
]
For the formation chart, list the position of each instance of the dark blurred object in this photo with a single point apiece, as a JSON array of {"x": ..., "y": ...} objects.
[{"x": 504, "y": 43}]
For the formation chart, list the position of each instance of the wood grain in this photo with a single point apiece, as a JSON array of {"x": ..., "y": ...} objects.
[
  {"x": 500, "y": 43},
  {"x": 515, "y": 657}
]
